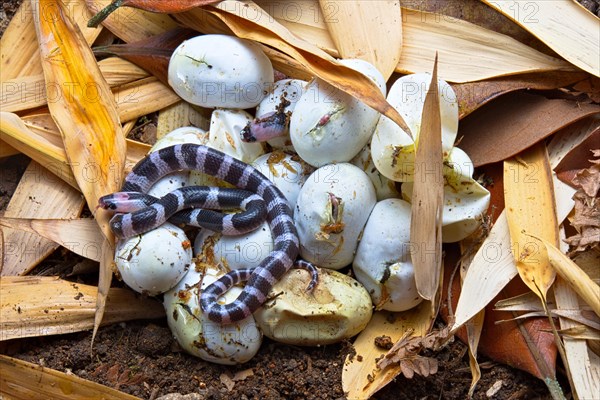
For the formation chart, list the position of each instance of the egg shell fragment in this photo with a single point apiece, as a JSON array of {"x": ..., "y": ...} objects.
[
  {"x": 392, "y": 149},
  {"x": 329, "y": 125},
  {"x": 220, "y": 71},
  {"x": 234, "y": 252},
  {"x": 338, "y": 308},
  {"x": 222, "y": 344},
  {"x": 155, "y": 261},
  {"x": 382, "y": 262},
  {"x": 286, "y": 171},
  {"x": 330, "y": 213},
  {"x": 290, "y": 90},
  {"x": 465, "y": 200},
  {"x": 225, "y": 127}
]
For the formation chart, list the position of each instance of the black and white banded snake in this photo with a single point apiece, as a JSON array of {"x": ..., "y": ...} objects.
[{"x": 259, "y": 280}]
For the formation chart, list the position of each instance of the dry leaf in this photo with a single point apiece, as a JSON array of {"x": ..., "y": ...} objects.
[
  {"x": 41, "y": 195},
  {"x": 248, "y": 21},
  {"x": 36, "y": 306},
  {"x": 563, "y": 25},
  {"x": 156, "y": 6},
  {"x": 514, "y": 122},
  {"x": 371, "y": 31},
  {"x": 405, "y": 353},
  {"x": 86, "y": 112},
  {"x": 132, "y": 25},
  {"x": 23, "y": 380},
  {"x": 81, "y": 236},
  {"x": 360, "y": 377},
  {"x": 530, "y": 210},
  {"x": 472, "y": 95},
  {"x": 467, "y": 52},
  {"x": 428, "y": 197},
  {"x": 152, "y": 54},
  {"x": 578, "y": 158},
  {"x": 526, "y": 345},
  {"x": 19, "y": 54}
]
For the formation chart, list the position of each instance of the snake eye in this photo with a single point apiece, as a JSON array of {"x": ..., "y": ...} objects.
[{"x": 112, "y": 206}]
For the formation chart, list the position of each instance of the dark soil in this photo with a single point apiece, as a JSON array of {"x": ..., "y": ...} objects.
[{"x": 142, "y": 359}]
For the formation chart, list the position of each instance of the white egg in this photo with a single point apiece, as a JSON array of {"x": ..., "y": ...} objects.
[
  {"x": 155, "y": 261},
  {"x": 185, "y": 134},
  {"x": 222, "y": 344},
  {"x": 225, "y": 127},
  {"x": 384, "y": 187},
  {"x": 330, "y": 213},
  {"x": 465, "y": 200},
  {"x": 220, "y": 71},
  {"x": 329, "y": 125},
  {"x": 286, "y": 171},
  {"x": 392, "y": 149},
  {"x": 382, "y": 262},
  {"x": 234, "y": 252},
  {"x": 289, "y": 90},
  {"x": 337, "y": 308}
]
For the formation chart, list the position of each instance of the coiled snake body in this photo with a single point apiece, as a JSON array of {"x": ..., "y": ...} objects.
[{"x": 212, "y": 162}]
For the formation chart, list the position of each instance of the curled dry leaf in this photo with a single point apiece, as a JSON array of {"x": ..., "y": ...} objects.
[
  {"x": 152, "y": 54},
  {"x": 514, "y": 122},
  {"x": 472, "y": 95}
]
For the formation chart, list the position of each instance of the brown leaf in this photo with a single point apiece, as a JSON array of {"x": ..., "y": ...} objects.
[
  {"x": 526, "y": 345},
  {"x": 472, "y": 95},
  {"x": 253, "y": 23},
  {"x": 587, "y": 209},
  {"x": 578, "y": 158},
  {"x": 514, "y": 122},
  {"x": 157, "y": 6},
  {"x": 152, "y": 54}
]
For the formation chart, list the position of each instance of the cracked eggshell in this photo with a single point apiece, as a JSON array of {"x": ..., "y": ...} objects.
[
  {"x": 384, "y": 187},
  {"x": 155, "y": 261},
  {"x": 338, "y": 308},
  {"x": 286, "y": 171},
  {"x": 225, "y": 127},
  {"x": 234, "y": 252},
  {"x": 222, "y": 344},
  {"x": 465, "y": 200},
  {"x": 291, "y": 90},
  {"x": 220, "y": 71},
  {"x": 392, "y": 149},
  {"x": 330, "y": 213},
  {"x": 329, "y": 125},
  {"x": 382, "y": 262}
]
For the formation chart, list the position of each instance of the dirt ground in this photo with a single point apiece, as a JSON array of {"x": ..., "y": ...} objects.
[{"x": 142, "y": 359}]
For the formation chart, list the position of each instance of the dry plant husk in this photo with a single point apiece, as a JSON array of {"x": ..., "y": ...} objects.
[{"x": 26, "y": 381}]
